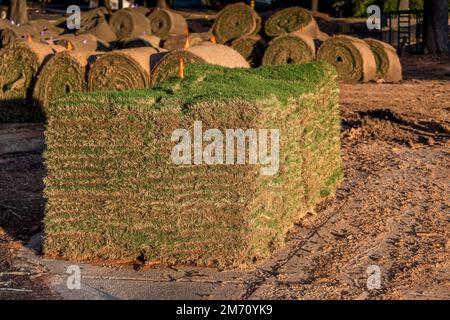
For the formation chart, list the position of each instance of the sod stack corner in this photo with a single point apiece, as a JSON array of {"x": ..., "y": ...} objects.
[{"x": 114, "y": 193}]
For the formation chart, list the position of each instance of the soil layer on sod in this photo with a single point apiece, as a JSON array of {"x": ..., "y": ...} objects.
[{"x": 114, "y": 194}]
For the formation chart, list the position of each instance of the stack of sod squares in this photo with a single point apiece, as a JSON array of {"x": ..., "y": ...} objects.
[{"x": 114, "y": 192}]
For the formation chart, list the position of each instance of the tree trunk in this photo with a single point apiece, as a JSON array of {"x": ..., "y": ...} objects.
[
  {"x": 315, "y": 5},
  {"x": 162, "y": 4},
  {"x": 18, "y": 11},
  {"x": 435, "y": 27},
  {"x": 403, "y": 5}
]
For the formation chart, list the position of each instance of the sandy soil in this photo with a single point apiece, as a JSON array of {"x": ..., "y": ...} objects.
[{"x": 392, "y": 210}]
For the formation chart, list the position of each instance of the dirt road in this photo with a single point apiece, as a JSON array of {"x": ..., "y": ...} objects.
[{"x": 392, "y": 214}]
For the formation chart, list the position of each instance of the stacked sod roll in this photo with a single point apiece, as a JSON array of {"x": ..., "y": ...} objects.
[
  {"x": 209, "y": 53},
  {"x": 165, "y": 23},
  {"x": 388, "y": 64},
  {"x": 20, "y": 63},
  {"x": 235, "y": 21},
  {"x": 123, "y": 69},
  {"x": 114, "y": 193},
  {"x": 100, "y": 28},
  {"x": 129, "y": 23},
  {"x": 291, "y": 20},
  {"x": 252, "y": 48},
  {"x": 140, "y": 42},
  {"x": 352, "y": 58},
  {"x": 65, "y": 73},
  {"x": 84, "y": 42},
  {"x": 295, "y": 47}
]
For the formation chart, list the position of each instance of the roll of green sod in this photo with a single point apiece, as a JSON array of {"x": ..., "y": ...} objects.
[
  {"x": 115, "y": 193},
  {"x": 352, "y": 58},
  {"x": 165, "y": 23},
  {"x": 123, "y": 69},
  {"x": 290, "y": 48},
  {"x": 139, "y": 42},
  {"x": 215, "y": 54},
  {"x": 20, "y": 63},
  {"x": 84, "y": 42},
  {"x": 291, "y": 20},
  {"x": 63, "y": 74},
  {"x": 252, "y": 48},
  {"x": 235, "y": 21},
  {"x": 388, "y": 63},
  {"x": 99, "y": 28},
  {"x": 129, "y": 24}
]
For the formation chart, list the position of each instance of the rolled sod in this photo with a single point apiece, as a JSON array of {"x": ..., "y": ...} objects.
[
  {"x": 100, "y": 28},
  {"x": 45, "y": 26},
  {"x": 83, "y": 42},
  {"x": 139, "y": 42},
  {"x": 12, "y": 33},
  {"x": 129, "y": 24},
  {"x": 252, "y": 48},
  {"x": 290, "y": 48},
  {"x": 164, "y": 23},
  {"x": 123, "y": 69},
  {"x": 291, "y": 20},
  {"x": 114, "y": 193},
  {"x": 88, "y": 16},
  {"x": 235, "y": 21},
  {"x": 215, "y": 54},
  {"x": 20, "y": 62},
  {"x": 352, "y": 58},
  {"x": 64, "y": 73},
  {"x": 388, "y": 63},
  {"x": 179, "y": 42}
]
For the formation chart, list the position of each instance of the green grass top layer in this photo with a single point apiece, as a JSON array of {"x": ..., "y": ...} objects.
[{"x": 207, "y": 82}]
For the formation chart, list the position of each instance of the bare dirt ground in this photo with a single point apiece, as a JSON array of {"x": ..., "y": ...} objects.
[{"x": 391, "y": 211}]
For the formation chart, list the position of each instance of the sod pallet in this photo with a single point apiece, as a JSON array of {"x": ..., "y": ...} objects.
[{"x": 114, "y": 193}]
